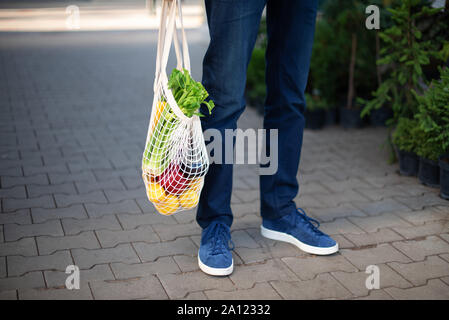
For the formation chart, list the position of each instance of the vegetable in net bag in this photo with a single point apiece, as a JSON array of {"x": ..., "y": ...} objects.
[{"x": 175, "y": 159}]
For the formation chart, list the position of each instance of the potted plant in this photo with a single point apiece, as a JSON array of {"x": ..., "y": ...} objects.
[
  {"x": 315, "y": 113},
  {"x": 403, "y": 54},
  {"x": 404, "y": 139},
  {"x": 433, "y": 117},
  {"x": 342, "y": 46}
]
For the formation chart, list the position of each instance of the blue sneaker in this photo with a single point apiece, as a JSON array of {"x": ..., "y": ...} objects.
[
  {"x": 299, "y": 229},
  {"x": 214, "y": 256}
]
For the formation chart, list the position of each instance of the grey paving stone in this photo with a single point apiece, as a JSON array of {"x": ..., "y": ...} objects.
[
  {"x": 419, "y": 217},
  {"x": 356, "y": 281},
  {"x": 427, "y": 229},
  {"x": 14, "y": 231},
  {"x": 188, "y": 263},
  {"x": 383, "y": 235},
  {"x": 168, "y": 232},
  {"x": 83, "y": 293},
  {"x": 97, "y": 210},
  {"x": 160, "y": 266},
  {"x": 343, "y": 242},
  {"x": 374, "y": 294},
  {"x": 435, "y": 289},
  {"x": 117, "y": 173},
  {"x": 247, "y": 196},
  {"x": 41, "y": 215},
  {"x": 89, "y": 186},
  {"x": 65, "y": 188},
  {"x": 336, "y": 199},
  {"x": 148, "y": 287},
  {"x": 340, "y": 226},
  {"x": 58, "y": 178},
  {"x": 374, "y": 223},
  {"x": 18, "y": 265},
  {"x": 2, "y": 267},
  {"x": 322, "y": 287},
  {"x": 45, "y": 201},
  {"x": 179, "y": 285},
  {"x": 381, "y": 206},
  {"x": 23, "y": 247},
  {"x": 8, "y": 182},
  {"x": 241, "y": 209},
  {"x": 22, "y": 216},
  {"x": 56, "y": 279},
  {"x": 63, "y": 200},
  {"x": 17, "y": 192},
  {"x": 199, "y": 295},
  {"x": 29, "y": 280},
  {"x": 261, "y": 291},
  {"x": 75, "y": 226},
  {"x": 116, "y": 196},
  {"x": 149, "y": 252},
  {"x": 377, "y": 194},
  {"x": 110, "y": 238},
  {"x": 85, "y": 240},
  {"x": 419, "y": 249},
  {"x": 330, "y": 214},
  {"x": 15, "y": 171},
  {"x": 121, "y": 253},
  {"x": 246, "y": 276},
  {"x": 131, "y": 221},
  {"x": 419, "y": 272},
  {"x": 308, "y": 267},
  {"x": 242, "y": 239},
  {"x": 382, "y": 253},
  {"x": 147, "y": 206},
  {"x": 420, "y": 202},
  {"x": 8, "y": 295},
  {"x": 55, "y": 168}
]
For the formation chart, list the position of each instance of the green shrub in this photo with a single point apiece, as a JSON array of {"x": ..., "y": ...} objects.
[
  {"x": 314, "y": 102},
  {"x": 405, "y": 135},
  {"x": 255, "y": 82},
  {"x": 404, "y": 53},
  {"x": 433, "y": 117}
]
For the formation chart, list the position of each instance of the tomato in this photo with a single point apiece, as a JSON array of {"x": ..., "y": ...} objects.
[{"x": 173, "y": 181}]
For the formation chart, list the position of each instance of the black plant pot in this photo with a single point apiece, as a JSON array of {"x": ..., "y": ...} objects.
[
  {"x": 379, "y": 117},
  {"x": 315, "y": 119},
  {"x": 429, "y": 172},
  {"x": 350, "y": 118},
  {"x": 444, "y": 176},
  {"x": 331, "y": 117},
  {"x": 408, "y": 163}
]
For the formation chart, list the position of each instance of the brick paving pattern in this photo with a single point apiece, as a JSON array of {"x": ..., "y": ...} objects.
[{"x": 74, "y": 114}]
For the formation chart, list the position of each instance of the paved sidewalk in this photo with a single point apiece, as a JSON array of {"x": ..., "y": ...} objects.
[{"x": 74, "y": 115}]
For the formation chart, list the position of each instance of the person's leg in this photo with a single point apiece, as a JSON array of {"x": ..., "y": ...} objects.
[
  {"x": 233, "y": 27},
  {"x": 290, "y": 27}
]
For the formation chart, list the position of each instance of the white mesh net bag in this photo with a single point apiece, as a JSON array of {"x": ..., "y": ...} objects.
[{"x": 175, "y": 159}]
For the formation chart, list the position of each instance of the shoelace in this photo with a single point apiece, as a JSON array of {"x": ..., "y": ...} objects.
[
  {"x": 221, "y": 239},
  {"x": 311, "y": 222}
]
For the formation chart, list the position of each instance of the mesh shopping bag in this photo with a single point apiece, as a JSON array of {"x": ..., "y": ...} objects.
[{"x": 175, "y": 159}]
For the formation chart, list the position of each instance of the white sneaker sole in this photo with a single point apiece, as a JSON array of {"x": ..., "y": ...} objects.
[
  {"x": 281, "y": 236},
  {"x": 216, "y": 271}
]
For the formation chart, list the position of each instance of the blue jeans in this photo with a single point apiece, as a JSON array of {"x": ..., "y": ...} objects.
[{"x": 233, "y": 27}]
